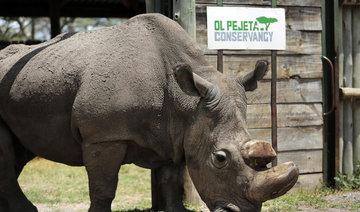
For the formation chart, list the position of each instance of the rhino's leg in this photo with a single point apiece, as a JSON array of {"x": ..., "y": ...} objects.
[
  {"x": 102, "y": 161},
  {"x": 11, "y": 196},
  {"x": 167, "y": 188}
]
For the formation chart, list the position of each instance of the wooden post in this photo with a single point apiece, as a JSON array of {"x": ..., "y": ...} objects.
[
  {"x": 274, "y": 137},
  {"x": 356, "y": 83},
  {"x": 158, "y": 202},
  {"x": 341, "y": 84},
  {"x": 185, "y": 13},
  {"x": 55, "y": 17},
  {"x": 150, "y": 6},
  {"x": 220, "y": 52},
  {"x": 348, "y": 74}
]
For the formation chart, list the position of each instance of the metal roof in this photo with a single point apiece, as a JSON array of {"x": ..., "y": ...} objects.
[{"x": 72, "y": 8}]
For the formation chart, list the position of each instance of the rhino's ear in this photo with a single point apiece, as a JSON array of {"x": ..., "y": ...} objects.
[
  {"x": 191, "y": 83},
  {"x": 249, "y": 81}
]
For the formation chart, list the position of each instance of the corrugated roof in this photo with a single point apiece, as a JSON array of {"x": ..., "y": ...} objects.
[{"x": 72, "y": 8}]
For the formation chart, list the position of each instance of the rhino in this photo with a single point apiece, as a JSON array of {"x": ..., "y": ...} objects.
[{"x": 140, "y": 92}]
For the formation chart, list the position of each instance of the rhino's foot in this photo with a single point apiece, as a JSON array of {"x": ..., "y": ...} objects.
[{"x": 99, "y": 208}]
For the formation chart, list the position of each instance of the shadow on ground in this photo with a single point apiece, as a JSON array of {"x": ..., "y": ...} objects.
[{"x": 146, "y": 210}]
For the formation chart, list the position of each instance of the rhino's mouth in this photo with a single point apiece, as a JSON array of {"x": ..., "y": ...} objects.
[
  {"x": 245, "y": 205},
  {"x": 227, "y": 208}
]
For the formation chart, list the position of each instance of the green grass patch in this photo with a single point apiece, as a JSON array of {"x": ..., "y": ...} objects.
[
  {"x": 58, "y": 186},
  {"x": 293, "y": 201},
  {"x": 303, "y": 200},
  {"x": 47, "y": 182}
]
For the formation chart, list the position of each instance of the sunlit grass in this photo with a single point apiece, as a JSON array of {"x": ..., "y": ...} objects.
[
  {"x": 47, "y": 182},
  {"x": 303, "y": 200},
  {"x": 60, "y": 188}
]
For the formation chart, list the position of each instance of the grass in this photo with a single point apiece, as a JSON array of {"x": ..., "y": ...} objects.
[
  {"x": 49, "y": 183},
  {"x": 303, "y": 200},
  {"x": 64, "y": 188}
]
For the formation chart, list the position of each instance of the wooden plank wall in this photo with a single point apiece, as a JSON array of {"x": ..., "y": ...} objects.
[{"x": 299, "y": 84}]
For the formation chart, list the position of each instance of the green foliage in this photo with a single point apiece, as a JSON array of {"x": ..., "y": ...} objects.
[
  {"x": 81, "y": 24},
  {"x": 346, "y": 182},
  {"x": 24, "y": 28}
]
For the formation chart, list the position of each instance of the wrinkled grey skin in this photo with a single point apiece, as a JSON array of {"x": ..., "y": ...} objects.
[{"x": 143, "y": 93}]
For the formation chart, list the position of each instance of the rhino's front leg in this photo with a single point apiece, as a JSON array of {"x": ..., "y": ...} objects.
[
  {"x": 102, "y": 161},
  {"x": 167, "y": 188}
]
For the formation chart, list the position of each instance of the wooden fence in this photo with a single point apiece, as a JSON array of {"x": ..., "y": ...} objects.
[{"x": 349, "y": 82}]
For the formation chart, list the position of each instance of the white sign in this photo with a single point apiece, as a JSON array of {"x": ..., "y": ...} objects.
[{"x": 246, "y": 28}]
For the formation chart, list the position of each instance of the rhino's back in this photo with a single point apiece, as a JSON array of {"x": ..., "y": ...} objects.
[{"x": 113, "y": 81}]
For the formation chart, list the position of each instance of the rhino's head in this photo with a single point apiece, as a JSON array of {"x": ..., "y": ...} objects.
[{"x": 225, "y": 164}]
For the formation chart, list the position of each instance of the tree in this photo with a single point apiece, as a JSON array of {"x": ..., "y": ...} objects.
[
  {"x": 266, "y": 21},
  {"x": 21, "y": 29}
]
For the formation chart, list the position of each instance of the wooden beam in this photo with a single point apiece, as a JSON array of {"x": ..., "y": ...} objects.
[
  {"x": 350, "y": 2},
  {"x": 350, "y": 93}
]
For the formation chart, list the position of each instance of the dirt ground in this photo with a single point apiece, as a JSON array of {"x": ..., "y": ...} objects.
[{"x": 343, "y": 199}]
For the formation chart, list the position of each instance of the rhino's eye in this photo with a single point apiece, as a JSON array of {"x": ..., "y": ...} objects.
[{"x": 219, "y": 159}]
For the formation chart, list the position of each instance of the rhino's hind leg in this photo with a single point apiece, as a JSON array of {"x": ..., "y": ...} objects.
[
  {"x": 167, "y": 188},
  {"x": 11, "y": 196},
  {"x": 102, "y": 162}
]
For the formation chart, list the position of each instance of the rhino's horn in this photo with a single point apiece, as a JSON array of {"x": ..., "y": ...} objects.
[
  {"x": 273, "y": 182},
  {"x": 257, "y": 153}
]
